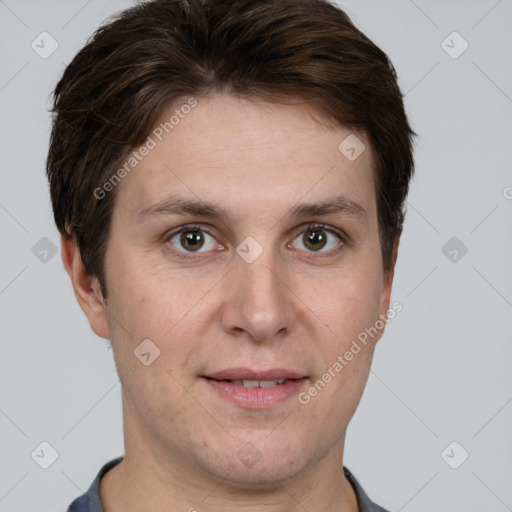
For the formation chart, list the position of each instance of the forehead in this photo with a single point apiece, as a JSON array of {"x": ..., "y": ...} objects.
[{"x": 247, "y": 152}]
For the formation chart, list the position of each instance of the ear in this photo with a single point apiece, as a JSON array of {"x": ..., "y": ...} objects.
[
  {"x": 86, "y": 287},
  {"x": 388, "y": 283}
]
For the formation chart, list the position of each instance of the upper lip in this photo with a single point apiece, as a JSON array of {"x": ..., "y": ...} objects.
[{"x": 248, "y": 374}]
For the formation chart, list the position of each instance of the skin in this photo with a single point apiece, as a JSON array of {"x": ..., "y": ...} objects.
[{"x": 293, "y": 307}]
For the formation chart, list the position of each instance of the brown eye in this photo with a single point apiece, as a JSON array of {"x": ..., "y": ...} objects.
[
  {"x": 314, "y": 239},
  {"x": 192, "y": 240},
  {"x": 319, "y": 239}
]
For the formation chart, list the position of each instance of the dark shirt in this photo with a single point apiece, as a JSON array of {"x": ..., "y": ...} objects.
[{"x": 90, "y": 501}]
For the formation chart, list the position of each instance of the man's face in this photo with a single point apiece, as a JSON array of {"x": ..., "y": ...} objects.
[{"x": 266, "y": 289}]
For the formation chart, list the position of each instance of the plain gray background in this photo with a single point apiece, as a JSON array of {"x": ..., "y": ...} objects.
[{"x": 442, "y": 371}]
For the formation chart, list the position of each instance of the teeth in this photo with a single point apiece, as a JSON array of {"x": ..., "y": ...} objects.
[
  {"x": 268, "y": 383},
  {"x": 258, "y": 383},
  {"x": 251, "y": 383}
]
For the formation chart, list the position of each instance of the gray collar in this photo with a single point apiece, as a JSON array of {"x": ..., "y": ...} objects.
[{"x": 90, "y": 501}]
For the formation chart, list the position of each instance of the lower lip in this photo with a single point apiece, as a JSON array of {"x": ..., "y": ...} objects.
[{"x": 257, "y": 398}]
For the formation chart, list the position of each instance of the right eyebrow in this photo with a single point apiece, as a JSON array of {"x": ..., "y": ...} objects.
[{"x": 175, "y": 205}]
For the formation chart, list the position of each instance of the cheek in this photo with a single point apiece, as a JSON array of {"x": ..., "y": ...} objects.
[
  {"x": 170, "y": 310},
  {"x": 348, "y": 303},
  {"x": 145, "y": 300},
  {"x": 350, "y": 312}
]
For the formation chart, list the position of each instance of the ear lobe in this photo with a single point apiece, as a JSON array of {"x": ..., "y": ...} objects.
[
  {"x": 86, "y": 287},
  {"x": 388, "y": 282},
  {"x": 394, "y": 256}
]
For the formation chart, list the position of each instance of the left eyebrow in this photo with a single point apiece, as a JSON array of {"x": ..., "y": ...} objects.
[{"x": 342, "y": 205}]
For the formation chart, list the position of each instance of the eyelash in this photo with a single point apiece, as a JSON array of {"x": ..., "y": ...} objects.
[{"x": 343, "y": 239}]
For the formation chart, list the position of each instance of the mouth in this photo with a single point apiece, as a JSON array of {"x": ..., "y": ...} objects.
[
  {"x": 256, "y": 390},
  {"x": 249, "y": 383}
]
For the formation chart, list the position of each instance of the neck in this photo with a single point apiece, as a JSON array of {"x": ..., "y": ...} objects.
[{"x": 151, "y": 478}]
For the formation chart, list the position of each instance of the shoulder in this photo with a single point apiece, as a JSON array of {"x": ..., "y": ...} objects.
[
  {"x": 365, "y": 504},
  {"x": 90, "y": 501}
]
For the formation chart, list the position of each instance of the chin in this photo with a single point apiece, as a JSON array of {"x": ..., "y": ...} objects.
[
  {"x": 263, "y": 477},
  {"x": 268, "y": 467}
]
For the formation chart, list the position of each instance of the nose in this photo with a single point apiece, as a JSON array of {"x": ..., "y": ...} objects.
[{"x": 258, "y": 303}]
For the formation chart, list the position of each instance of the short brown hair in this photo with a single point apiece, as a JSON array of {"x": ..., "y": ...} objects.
[{"x": 160, "y": 51}]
